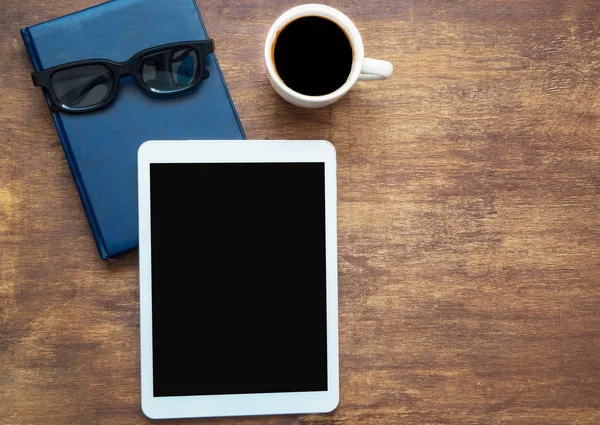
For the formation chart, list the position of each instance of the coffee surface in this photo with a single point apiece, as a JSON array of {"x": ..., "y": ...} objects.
[{"x": 313, "y": 56}]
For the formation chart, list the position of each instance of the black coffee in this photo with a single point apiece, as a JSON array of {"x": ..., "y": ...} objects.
[{"x": 313, "y": 56}]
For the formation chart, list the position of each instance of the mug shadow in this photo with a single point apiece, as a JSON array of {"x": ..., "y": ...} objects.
[{"x": 294, "y": 122}]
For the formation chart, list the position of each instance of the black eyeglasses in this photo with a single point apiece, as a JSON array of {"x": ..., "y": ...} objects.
[{"x": 88, "y": 85}]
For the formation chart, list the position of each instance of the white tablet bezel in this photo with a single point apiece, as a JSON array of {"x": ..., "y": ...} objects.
[{"x": 247, "y": 151}]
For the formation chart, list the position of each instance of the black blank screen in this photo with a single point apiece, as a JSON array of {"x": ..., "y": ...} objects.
[{"x": 238, "y": 278}]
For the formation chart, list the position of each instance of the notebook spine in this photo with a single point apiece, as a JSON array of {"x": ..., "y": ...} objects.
[{"x": 64, "y": 140}]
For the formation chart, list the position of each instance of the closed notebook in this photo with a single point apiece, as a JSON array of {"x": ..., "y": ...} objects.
[{"x": 101, "y": 146}]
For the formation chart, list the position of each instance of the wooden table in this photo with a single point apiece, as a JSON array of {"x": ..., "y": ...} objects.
[{"x": 469, "y": 221}]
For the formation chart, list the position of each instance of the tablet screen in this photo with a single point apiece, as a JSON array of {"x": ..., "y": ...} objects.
[{"x": 238, "y": 278}]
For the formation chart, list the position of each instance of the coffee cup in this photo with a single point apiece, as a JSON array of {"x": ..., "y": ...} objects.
[{"x": 314, "y": 54}]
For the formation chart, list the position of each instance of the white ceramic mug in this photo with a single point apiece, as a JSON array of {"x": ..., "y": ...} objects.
[{"x": 362, "y": 68}]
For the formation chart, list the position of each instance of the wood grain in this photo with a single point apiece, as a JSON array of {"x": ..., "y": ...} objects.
[{"x": 469, "y": 221}]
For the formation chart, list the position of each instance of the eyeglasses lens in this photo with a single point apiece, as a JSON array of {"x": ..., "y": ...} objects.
[
  {"x": 170, "y": 71},
  {"x": 83, "y": 87}
]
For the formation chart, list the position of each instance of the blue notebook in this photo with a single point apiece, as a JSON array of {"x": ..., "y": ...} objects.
[{"x": 101, "y": 146}]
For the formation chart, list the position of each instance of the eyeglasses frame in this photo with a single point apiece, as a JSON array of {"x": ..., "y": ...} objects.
[{"x": 132, "y": 67}]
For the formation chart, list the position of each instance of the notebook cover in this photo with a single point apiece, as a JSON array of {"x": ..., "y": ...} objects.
[{"x": 101, "y": 146}]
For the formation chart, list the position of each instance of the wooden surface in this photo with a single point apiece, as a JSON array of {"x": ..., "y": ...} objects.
[{"x": 469, "y": 221}]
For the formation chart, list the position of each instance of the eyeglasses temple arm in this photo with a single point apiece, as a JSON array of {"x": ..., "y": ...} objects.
[{"x": 34, "y": 78}]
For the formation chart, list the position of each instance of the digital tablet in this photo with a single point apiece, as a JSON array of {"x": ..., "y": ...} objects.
[{"x": 238, "y": 278}]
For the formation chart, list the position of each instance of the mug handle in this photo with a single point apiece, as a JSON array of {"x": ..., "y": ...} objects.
[{"x": 375, "y": 69}]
